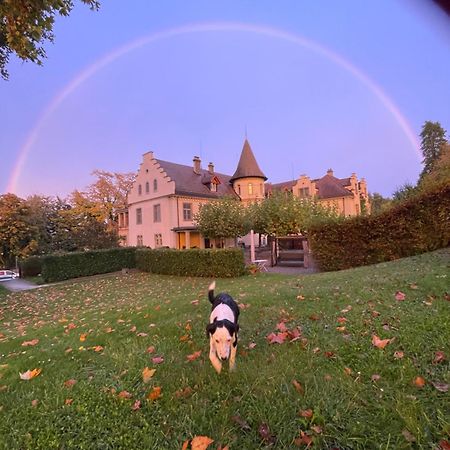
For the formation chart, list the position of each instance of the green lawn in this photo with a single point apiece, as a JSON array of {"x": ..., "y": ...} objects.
[{"x": 359, "y": 396}]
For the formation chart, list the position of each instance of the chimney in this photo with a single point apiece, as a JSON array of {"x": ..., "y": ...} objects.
[
  {"x": 330, "y": 172},
  {"x": 197, "y": 165},
  {"x": 211, "y": 168}
]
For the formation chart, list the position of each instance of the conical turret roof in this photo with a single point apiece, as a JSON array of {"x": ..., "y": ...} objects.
[{"x": 247, "y": 166}]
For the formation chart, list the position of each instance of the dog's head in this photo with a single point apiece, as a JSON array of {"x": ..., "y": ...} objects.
[{"x": 222, "y": 335}]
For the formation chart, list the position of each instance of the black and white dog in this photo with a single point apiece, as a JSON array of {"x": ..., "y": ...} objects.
[{"x": 222, "y": 329}]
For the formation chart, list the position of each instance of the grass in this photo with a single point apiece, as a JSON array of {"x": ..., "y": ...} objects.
[{"x": 126, "y": 314}]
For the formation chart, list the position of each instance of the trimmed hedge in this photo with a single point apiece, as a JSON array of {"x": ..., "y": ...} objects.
[
  {"x": 82, "y": 264},
  {"x": 220, "y": 263},
  {"x": 31, "y": 267},
  {"x": 418, "y": 225}
]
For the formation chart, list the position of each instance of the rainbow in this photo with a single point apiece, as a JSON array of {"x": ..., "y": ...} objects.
[{"x": 203, "y": 28}]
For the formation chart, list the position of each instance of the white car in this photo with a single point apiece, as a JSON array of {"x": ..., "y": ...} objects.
[{"x": 7, "y": 274}]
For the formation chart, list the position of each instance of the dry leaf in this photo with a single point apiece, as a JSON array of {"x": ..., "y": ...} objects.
[
  {"x": 147, "y": 374},
  {"x": 155, "y": 393},
  {"x": 408, "y": 436},
  {"x": 124, "y": 394},
  {"x": 379, "y": 343},
  {"x": 29, "y": 374},
  {"x": 194, "y": 356},
  {"x": 136, "y": 406},
  {"x": 83, "y": 337},
  {"x": 398, "y": 355},
  {"x": 34, "y": 403},
  {"x": 441, "y": 387},
  {"x": 157, "y": 360},
  {"x": 419, "y": 382},
  {"x": 150, "y": 349},
  {"x": 265, "y": 434},
  {"x": 306, "y": 413},
  {"x": 298, "y": 387},
  {"x": 303, "y": 439},
  {"x": 201, "y": 442},
  {"x": 30, "y": 343},
  {"x": 438, "y": 357},
  {"x": 69, "y": 383},
  {"x": 68, "y": 401},
  {"x": 400, "y": 296},
  {"x": 243, "y": 424}
]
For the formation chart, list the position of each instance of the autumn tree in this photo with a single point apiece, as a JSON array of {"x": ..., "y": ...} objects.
[
  {"x": 440, "y": 172},
  {"x": 17, "y": 234},
  {"x": 432, "y": 143},
  {"x": 283, "y": 213},
  {"x": 25, "y": 25},
  {"x": 104, "y": 197},
  {"x": 223, "y": 218},
  {"x": 378, "y": 203}
]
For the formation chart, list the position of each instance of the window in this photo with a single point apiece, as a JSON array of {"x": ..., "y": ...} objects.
[
  {"x": 187, "y": 211},
  {"x": 261, "y": 190},
  {"x": 303, "y": 192},
  {"x": 138, "y": 216},
  {"x": 250, "y": 189},
  {"x": 157, "y": 213},
  {"x": 158, "y": 240},
  {"x": 139, "y": 190},
  {"x": 239, "y": 189},
  {"x": 147, "y": 187},
  {"x": 213, "y": 187},
  {"x": 139, "y": 240},
  {"x": 155, "y": 185}
]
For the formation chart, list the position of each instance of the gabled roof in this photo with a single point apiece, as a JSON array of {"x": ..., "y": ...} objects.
[
  {"x": 285, "y": 185},
  {"x": 247, "y": 166},
  {"x": 329, "y": 187},
  {"x": 187, "y": 182}
]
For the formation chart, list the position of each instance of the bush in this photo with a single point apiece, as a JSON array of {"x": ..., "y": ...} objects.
[
  {"x": 415, "y": 226},
  {"x": 81, "y": 264},
  {"x": 31, "y": 267},
  {"x": 221, "y": 263}
]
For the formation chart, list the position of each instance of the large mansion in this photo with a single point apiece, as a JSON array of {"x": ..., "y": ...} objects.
[{"x": 165, "y": 197}]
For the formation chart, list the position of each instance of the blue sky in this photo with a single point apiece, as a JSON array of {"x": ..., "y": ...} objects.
[{"x": 316, "y": 84}]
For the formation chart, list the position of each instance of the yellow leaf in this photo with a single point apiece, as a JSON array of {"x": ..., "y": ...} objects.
[
  {"x": 83, "y": 337},
  {"x": 29, "y": 374},
  {"x": 147, "y": 374}
]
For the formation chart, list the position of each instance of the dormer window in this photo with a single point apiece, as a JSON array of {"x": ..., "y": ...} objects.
[{"x": 213, "y": 187}]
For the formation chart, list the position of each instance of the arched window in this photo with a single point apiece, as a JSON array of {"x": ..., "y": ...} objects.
[
  {"x": 147, "y": 187},
  {"x": 155, "y": 185},
  {"x": 139, "y": 190},
  {"x": 250, "y": 189}
]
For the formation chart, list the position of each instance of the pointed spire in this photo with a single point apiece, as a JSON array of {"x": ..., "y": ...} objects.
[{"x": 247, "y": 166}]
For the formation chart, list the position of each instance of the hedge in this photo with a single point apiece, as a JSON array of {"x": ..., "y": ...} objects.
[
  {"x": 220, "y": 263},
  {"x": 31, "y": 266},
  {"x": 418, "y": 225},
  {"x": 82, "y": 264}
]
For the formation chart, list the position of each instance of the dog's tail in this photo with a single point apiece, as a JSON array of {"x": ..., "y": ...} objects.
[{"x": 211, "y": 288}]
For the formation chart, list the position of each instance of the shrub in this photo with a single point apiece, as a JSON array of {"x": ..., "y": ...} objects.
[
  {"x": 81, "y": 264},
  {"x": 31, "y": 267},
  {"x": 221, "y": 263},
  {"x": 415, "y": 226}
]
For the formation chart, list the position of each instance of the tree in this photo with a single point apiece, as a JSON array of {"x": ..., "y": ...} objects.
[
  {"x": 25, "y": 25},
  {"x": 224, "y": 218},
  {"x": 283, "y": 213},
  {"x": 378, "y": 203},
  {"x": 104, "y": 197},
  {"x": 433, "y": 140},
  {"x": 17, "y": 234},
  {"x": 440, "y": 172},
  {"x": 404, "y": 192}
]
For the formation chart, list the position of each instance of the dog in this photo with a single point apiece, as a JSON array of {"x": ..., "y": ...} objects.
[{"x": 223, "y": 329}]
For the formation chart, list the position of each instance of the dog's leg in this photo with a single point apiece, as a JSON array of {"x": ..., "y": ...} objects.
[
  {"x": 214, "y": 359},
  {"x": 233, "y": 356}
]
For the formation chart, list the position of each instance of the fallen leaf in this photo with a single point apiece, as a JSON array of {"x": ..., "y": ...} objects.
[
  {"x": 317, "y": 429},
  {"x": 413, "y": 286},
  {"x": 68, "y": 401},
  {"x": 441, "y": 387},
  {"x": 375, "y": 377},
  {"x": 340, "y": 329},
  {"x": 194, "y": 302},
  {"x": 97, "y": 348},
  {"x": 419, "y": 382},
  {"x": 278, "y": 338},
  {"x": 201, "y": 442},
  {"x": 124, "y": 394},
  {"x": 157, "y": 360},
  {"x": 141, "y": 334},
  {"x": 298, "y": 387},
  {"x": 306, "y": 413},
  {"x": 83, "y": 337},
  {"x": 194, "y": 356},
  {"x": 251, "y": 346},
  {"x": 342, "y": 320},
  {"x": 29, "y": 374},
  {"x": 445, "y": 445},
  {"x": 147, "y": 374},
  {"x": 150, "y": 349},
  {"x": 136, "y": 406},
  {"x": 34, "y": 403},
  {"x": 70, "y": 383},
  {"x": 133, "y": 328},
  {"x": 281, "y": 327},
  {"x": 348, "y": 371},
  {"x": 408, "y": 436},
  {"x": 303, "y": 439},
  {"x": 398, "y": 354},
  {"x": 400, "y": 296},
  {"x": 155, "y": 393},
  {"x": 438, "y": 357},
  {"x": 184, "y": 393},
  {"x": 30, "y": 343},
  {"x": 185, "y": 444},
  {"x": 243, "y": 424},
  {"x": 300, "y": 297},
  {"x": 379, "y": 343},
  {"x": 184, "y": 338},
  {"x": 265, "y": 434}
]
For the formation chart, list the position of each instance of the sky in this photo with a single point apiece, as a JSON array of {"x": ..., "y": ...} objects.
[{"x": 313, "y": 84}]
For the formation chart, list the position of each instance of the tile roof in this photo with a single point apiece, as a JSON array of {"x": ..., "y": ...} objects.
[
  {"x": 329, "y": 186},
  {"x": 247, "y": 166},
  {"x": 187, "y": 182}
]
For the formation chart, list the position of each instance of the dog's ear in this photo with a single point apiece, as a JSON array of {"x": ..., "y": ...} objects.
[{"x": 211, "y": 328}]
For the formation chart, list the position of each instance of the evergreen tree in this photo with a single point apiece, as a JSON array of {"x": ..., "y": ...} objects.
[{"x": 433, "y": 140}]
